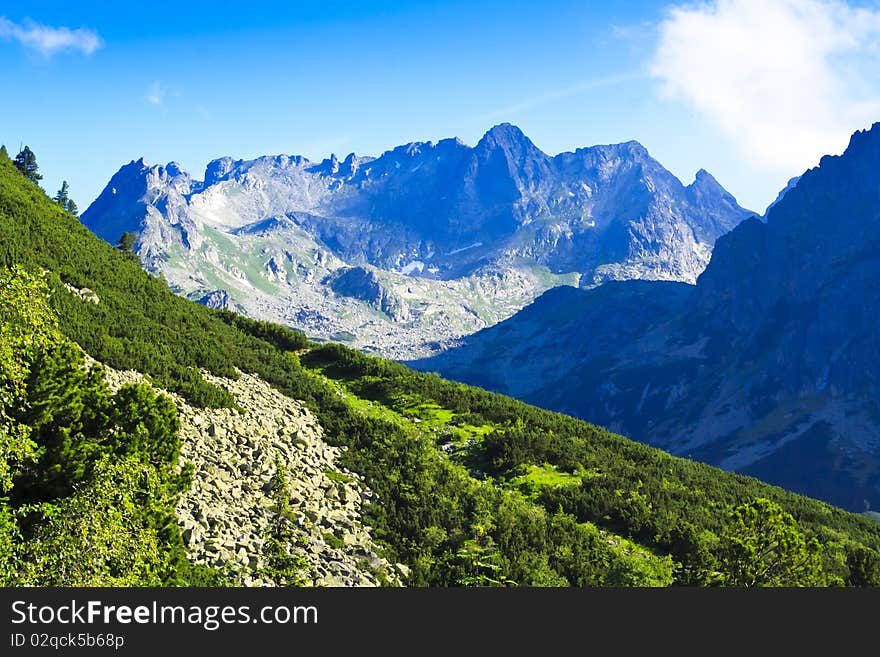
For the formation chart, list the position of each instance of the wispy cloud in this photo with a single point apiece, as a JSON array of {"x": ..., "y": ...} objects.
[
  {"x": 50, "y": 40},
  {"x": 555, "y": 95},
  {"x": 640, "y": 32},
  {"x": 786, "y": 80},
  {"x": 156, "y": 93}
]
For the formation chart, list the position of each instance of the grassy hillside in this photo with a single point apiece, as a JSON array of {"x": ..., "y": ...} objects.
[{"x": 472, "y": 487}]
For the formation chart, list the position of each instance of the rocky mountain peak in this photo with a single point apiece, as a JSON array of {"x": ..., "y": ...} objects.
[
  {"x": 509, "y": 138},
  {"x": 704, "y": 179},
  {"x": 862, "y": 141},
  {"x": 349, "y": 165},
  {"x": 451, "y": 142},
  {"x": 506, "y": 165},
  {"x": 218, "y": 170},
  {"x": 133, "y": 169},
  {"x": 418, "y": 214},
  {"x": 854, "y": 169},
  {"x": 173, "y": 169},
  {"x": 128, "y": 183},
  {"x": 705, "y": 186},
  {"x": 504, "y": 132},
  {"x": 607, "y": 161},
  {"x": 329, "y": 166},
  {"x": 790, "y": 185},
  {"x": 630, "y": 150},
  {"x": 631, "y": 147},
  {"x": 131, "y": 191}
]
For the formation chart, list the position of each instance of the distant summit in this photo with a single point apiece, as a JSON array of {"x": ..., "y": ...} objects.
[
  {"x": 459, "y": 236},
  {"x": 769, "y": 366}
]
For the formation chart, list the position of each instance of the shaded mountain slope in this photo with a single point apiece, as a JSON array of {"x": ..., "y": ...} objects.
[{"x": 770, "y": 364}]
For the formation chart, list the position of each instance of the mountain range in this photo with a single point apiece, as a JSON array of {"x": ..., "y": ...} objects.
[
  {"x": 403, "y": 253},
  {"x": 769, "y": 365},
  {"x": 148, "y": 440}
]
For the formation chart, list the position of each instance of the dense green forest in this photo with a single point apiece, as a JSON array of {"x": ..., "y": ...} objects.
[{"x": 472, "y": 488}]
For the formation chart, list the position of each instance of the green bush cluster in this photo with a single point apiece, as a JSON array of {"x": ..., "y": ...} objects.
[
  {"x": 91, "y": 477},
  {"x": 673, "y": 506}
]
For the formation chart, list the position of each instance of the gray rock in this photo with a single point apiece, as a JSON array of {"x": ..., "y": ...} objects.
[
  {"x": 395, "y": 253},
  {"x": 227, "y": 512}
]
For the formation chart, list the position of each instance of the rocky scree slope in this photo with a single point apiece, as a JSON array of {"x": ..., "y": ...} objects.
[
  {"x": 226, "y": 514},
  {"x": 403, "y": 253}
]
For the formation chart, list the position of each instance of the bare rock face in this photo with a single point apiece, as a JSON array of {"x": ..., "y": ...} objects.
[
  {"x": 362, "y": 283},
  {"x": 427, "y": 227},
  {"x": 218, "y": 300},
  {"x": 225, "y": 516},
  {"x": 769, "y": 366}
]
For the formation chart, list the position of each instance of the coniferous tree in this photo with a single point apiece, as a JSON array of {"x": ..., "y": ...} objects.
[
  {"x": 762, "y": 546},
  {"x": 3, "y": 152},
  {"x": 26, "y": 162},
  {"x": 62, "y": 199},
  {"x": 126, "y": 242},
  {"x": 61, "y": 196}
]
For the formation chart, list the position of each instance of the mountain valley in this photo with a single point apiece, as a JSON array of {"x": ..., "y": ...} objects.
[{"x": 768, "y": 366}]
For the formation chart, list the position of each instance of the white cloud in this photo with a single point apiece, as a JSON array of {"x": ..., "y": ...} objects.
[
  {"x": 156, "y": 93},
  {"x": 786, "y": 80},
  {"x": 49, "y": 40}
]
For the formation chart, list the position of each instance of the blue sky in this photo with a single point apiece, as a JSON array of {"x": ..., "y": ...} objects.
[{"x": 755, "y": 92}]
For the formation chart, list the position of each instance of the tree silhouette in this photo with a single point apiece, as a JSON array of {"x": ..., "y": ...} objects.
[
  {"x": 26, "y": 162},
  {"x": 62, "y": 199}
]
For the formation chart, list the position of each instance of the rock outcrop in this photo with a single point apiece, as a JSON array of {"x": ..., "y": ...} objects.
[
  {"x": 83, "y": 293},
  {"x": 364, "y": 284},
  {"x": 218, "y": 300}
]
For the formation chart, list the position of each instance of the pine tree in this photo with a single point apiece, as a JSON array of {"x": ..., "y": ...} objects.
[
  {"x": 763, "y": 546},
  {"x": 26, "y": 162},
  {"x": 126, "y": 242},
  {"x": 4, "y": 154},
  {"x": 62, "y": 199}
]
